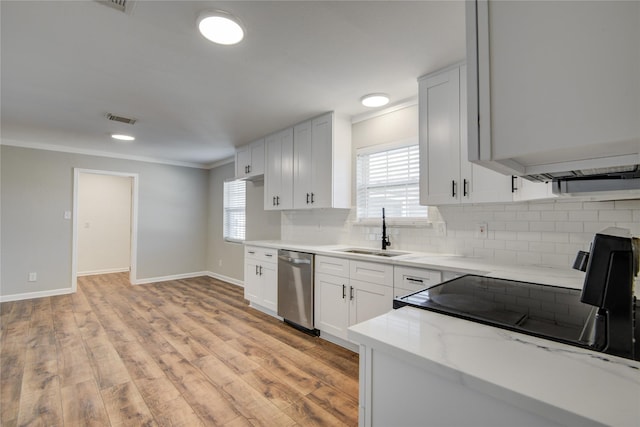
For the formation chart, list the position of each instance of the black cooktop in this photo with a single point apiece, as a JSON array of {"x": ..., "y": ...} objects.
[{"x": 541, "y": 310}]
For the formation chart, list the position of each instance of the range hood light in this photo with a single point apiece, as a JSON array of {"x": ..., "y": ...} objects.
[
  {"x": 220, "y": 27},
  {"x": 375, "y": 100}
]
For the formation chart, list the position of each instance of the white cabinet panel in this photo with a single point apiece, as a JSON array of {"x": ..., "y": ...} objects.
[
  {"x": 261, "y": 276},
  {"x": 250, "y": 160},
  {"x": 371, "y": 272},
  {"x": 278, "y": 177},
  {"x": 368, "y": 300},
  {"x": 558, "y": 99},
  {"x": 331, "y": 265},
  {"x": 408, "y": 279},
  {"x": 332, "y": 304}
]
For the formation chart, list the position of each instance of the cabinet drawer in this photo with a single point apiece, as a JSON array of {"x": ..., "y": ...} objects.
[
  {"x": 261, "y": 254},
  {"x": 330, "y": 265},
  {"x": 371, "y": 272},
  {"x": 414, "y": 279}
]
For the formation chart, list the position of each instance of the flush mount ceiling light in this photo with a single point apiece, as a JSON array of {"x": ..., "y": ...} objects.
[
  {"x": 375, "y": 100},
  {"x": 121, "y": 137},
  {"x": 220, "y": 27}
]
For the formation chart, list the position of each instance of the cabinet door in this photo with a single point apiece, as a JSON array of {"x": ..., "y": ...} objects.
[
  {"x": 252, "y": 282},
  {"x": 439, "y": 135},
  {"x": 332, "y": 305},
  {"x": 523, "y": 189},
  {"x": 243, "y": 160},
  {"x": 302, "y": 160},
  {"x": 273, "y": 171},
  {"x": 549, "y": 100},
  {"x": 269, "y": 283},
  {"x": 322, "y": 162},
  {"x": 257, "y": 158},
  {"x": 278, "y": 177},
  {"x": 368, "y": 300}
]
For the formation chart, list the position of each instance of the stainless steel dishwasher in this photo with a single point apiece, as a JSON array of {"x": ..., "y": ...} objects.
[{"x": 295, "y": 289}]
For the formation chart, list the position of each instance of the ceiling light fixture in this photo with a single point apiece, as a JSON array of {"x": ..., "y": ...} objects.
[
  {"x": 375, "y": 100},
  {"x": 122, "y": 137},
  {"x": 220, "y": 27}
]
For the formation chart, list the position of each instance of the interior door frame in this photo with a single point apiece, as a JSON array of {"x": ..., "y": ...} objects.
[{"x": 134, "y": 222}]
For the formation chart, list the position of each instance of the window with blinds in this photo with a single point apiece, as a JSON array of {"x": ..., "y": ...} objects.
[
  {"x": 389, "y": 179},
  {"x": 235, "y": 218}
]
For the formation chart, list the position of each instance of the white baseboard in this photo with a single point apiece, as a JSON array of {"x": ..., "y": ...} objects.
[
  {"x": 39, "y": 294},
  {"x": 226, "y": 279},
  {"x": 106, "y": 271},
  {"x": 172, "y": 277}
]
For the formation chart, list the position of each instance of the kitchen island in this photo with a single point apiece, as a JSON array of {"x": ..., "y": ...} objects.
[{"x": 423, "y": 368}]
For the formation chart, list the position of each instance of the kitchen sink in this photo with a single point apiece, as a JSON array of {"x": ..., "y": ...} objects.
[{"x": 374, "y": 252}]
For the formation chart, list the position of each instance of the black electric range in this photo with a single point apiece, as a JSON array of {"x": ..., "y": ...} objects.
[{"x": 545, "y": 311}]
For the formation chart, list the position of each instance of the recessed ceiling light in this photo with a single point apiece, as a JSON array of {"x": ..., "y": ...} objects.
[
  {"x": 122, "y": 137},
  {"x": 375, "y": 100},
  {"x": 220, "y": 27}
]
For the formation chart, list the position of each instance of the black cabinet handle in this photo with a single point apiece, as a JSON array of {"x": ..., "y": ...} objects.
[
  {"x": 453, "y": 188},
  {"x": 274, "y": 201},
  {"x": 261, "y": 270},
  {"x": 514, "y": 179},
  {"x": 465, "y": 184},
  {"x": 351, "y": 293},
  {"x": 307, "y": 198},
  {"x": 249, "y": 169},
  {"x": 251, "y": 252},
  {"x": 277, "y": 200},
  {"x": 411, "y": 279},
  {"x": 344, "y": 291},
  {"x": 256, "y": 270},
  {"x": 311, "y": 198}
]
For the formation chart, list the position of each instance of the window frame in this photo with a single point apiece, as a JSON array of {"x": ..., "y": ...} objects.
[
  {"x": 396, "y": 221},
  {"x": 226, "y": 210}
]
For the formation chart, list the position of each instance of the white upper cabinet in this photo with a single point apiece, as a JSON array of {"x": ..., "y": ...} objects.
[
  {"x": 322, "y": 163},
  {"x": 553, "y": 86},
  {"x": 278, "y": 176},
  {"x": 446, "y": 176},
  {"x": 250, "y": 160}
]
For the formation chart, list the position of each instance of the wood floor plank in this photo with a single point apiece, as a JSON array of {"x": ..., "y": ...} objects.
[
  {"x": 187, "y": 352},
  {"x": 83, "y": 405},
  {"x": 205, "y": 399},
  {"x": 125, "y": 406}
]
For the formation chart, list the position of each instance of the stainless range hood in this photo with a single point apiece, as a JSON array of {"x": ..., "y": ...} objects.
[{"x": 592, "y": 182}]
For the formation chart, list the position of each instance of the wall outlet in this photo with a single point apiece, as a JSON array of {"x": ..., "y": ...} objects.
[
  {"x": 33, "y": 277},
  {"x": 67, "y": 215},
  {"x": 481, "y": 230}
]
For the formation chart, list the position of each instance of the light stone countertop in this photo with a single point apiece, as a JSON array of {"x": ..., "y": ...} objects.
[
  {"x": 564, "y": 277},
  {"x": 567, "y": 384}
]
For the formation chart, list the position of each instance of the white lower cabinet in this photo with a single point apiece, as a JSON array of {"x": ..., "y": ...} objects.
[
  {"x": 343, "y": 299},
  {"x": 261, "y": 277}
]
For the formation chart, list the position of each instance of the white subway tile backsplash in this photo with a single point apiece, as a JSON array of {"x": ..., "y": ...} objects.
[
  {"x": 618, "y": 215},
  {"x": 541, "y": 232},
  {"x": 554, "y": 215},
  {"x": 571, "y": 227}
]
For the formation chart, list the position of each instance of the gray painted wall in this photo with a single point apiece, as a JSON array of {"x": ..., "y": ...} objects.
[
  {"x": 226, "y": 258},
  {"x": 37, "y": 187}
]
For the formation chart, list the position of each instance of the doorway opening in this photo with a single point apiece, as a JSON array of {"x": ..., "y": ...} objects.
[{"x": 105, "y": 223}]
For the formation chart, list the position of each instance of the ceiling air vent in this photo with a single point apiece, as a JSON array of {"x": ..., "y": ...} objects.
[
  {"x": 120, "y": 5},
  {"x": 120, "y": 119}
]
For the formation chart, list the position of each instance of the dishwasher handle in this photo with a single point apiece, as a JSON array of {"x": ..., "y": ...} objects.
[{"x": 295, "y": 261}]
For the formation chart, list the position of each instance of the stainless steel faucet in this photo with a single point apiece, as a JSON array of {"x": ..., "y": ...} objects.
[{"x": 385, "y": 239}]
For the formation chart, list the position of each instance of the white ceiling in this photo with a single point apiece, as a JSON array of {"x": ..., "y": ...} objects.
[{"x": 65, "y": 64}]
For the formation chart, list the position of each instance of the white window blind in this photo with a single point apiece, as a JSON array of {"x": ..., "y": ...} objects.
[
  {"x": 235, "y": 219},
  {"x": 389, "y": 179}
]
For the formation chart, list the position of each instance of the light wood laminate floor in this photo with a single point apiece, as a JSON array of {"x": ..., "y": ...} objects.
[{"x": 179, "y": 353}]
